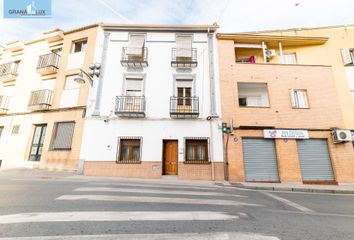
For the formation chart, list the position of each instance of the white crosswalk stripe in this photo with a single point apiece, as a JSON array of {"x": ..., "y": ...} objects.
[
  {"x": 154, "y": 191},
  {"x": 161, "y": 236},
  {"x": 198, "y": 201},
  {"x": 114, "y": 216}
]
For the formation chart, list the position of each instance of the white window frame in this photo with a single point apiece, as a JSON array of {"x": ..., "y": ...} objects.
[{"x": 295, "y": 101}]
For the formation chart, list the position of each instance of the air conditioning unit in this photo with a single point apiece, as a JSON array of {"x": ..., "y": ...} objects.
[
  {"x": 341, "y": 136},
  {"x": 270, "y": 53}
]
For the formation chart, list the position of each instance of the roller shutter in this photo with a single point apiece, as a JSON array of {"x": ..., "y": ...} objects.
[
  {"x": 260, "y": 160},
  {"x": 314, "y": 160}
]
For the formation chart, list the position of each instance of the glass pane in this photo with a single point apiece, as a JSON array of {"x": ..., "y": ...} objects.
[
  {"x": 201, "y": 152},
  {"x": 136, "y": 153},
  {"x": 190, "y": 153},
  {"x": 125, "y": 153}
]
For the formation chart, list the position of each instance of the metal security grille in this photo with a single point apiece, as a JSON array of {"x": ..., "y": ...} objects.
[
  {"x": 8, "y": 68},
  {"x": 48, "y": 60},
  {"x": 314, "y": 160},
  {"x": 40, "y": 99},
  {"x": 260, "y": 159},
  {"x": 63, "y": 135}
]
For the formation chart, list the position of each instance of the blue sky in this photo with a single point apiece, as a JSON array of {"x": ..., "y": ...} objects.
[{"x": 231, "y": 15}]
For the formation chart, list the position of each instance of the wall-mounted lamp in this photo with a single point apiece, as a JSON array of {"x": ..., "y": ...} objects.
[{"x": 94, "y": 71}]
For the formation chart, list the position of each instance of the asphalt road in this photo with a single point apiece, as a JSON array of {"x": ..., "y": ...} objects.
[{"x": 42, "y": 205}]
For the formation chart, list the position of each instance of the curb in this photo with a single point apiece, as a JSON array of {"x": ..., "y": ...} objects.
[{"x": 295, "y": 189}]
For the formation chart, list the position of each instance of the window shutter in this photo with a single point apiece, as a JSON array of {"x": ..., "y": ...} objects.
[
  {"x": 184, "y": 46},
  {"x": 346, "y": 56},
  {"x": 134, "y": 84},
  {"x": 302, "y": 98},
  {"x": 63, "y": 135},
  {"x": 292, "y": 97},
  {"x": 135, "y": 45}
]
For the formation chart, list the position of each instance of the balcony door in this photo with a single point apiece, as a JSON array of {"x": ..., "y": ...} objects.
[
  {"x": 184, "y": 95},
  {"x": 37, "y": 142},
  {"x": 133, "y": 94}
]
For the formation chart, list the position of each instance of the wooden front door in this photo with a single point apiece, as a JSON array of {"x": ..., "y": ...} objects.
[{"x": 170, "y": 157}]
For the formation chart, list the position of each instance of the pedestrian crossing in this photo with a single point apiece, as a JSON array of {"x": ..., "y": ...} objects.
[{"x": 189, "y": 200}]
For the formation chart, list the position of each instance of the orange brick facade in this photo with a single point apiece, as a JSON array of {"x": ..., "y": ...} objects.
[
  {"x": 153, "y": 170},
  {"x": 323, "y": 114}
]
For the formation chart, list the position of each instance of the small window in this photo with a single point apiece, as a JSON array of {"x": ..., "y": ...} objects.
[
  {"x": 79, "y": 46},
  {"x": 289, "y": 58},
  {"x": 15, "y": 129},
  {"x": 196, "y": 150},
  {"x": 129, "y": 150},
  {"x": 253, "y": 95},
  {"x": 299, "y": 98},
  {"x": 63, "y": 135},
  {"x": 347, "y": 56}
]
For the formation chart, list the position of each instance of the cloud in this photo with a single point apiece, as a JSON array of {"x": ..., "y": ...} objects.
[{"x": 233, "y": 15}]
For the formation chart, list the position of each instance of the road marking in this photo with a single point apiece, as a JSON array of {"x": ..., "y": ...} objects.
[
  {"x": 160, "y": 236},
  {"x": 157, "y": 185},
  {"x": 198, "y": 201},
  {"x": 288, "y": 202},
  {"x": 138, "y": 190},
  {"x": 114, "y": 216}
]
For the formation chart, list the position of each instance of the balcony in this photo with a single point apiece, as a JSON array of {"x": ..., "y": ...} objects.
[
  {"x": 130, "y": 106},
  {"x": 184, "y": 62},
  {"x": 184, "y": 107},
  {"x": 134, "y": 57},
  {"x": 40, "y": 100},
  {"x": 4, "y": 104},
  {"x": 48, "y": 63},
  {"x": 8, "y": 71}
]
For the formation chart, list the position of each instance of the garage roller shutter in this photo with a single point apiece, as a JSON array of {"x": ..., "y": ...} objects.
[
  {"x": 314, "y": 159},
  {"x": 260, "y": 159}
]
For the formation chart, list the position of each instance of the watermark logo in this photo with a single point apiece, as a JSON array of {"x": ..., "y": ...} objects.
[{"x": 27, "y": 8}]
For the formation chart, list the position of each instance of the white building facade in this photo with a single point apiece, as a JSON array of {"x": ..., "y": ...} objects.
[{"x": 154, "y": 110}]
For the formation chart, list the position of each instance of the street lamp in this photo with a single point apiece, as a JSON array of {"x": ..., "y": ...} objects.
[{"x": 94, "y": 71}]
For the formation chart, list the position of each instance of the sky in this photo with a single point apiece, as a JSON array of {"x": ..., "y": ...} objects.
[{"x": 231, "y": 15}]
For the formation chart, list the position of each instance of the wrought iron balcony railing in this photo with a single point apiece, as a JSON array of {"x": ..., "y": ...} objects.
[
  {"x": 184, "y": 107},
  {"x": 130, "y": 106},
  {"x": 180, "y": 61},
  {"x": 8, "y": 71},
  {"x": 4, "y": 104},
  {"x": 134, "y": 57},
  {"x": 48, "y": 63},
  {"x": 40, "y": 100}
]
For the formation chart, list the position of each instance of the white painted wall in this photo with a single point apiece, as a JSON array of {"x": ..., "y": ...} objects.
[
  {"x": 100, "y": 138},
  {"x": 350, "y": 76}
]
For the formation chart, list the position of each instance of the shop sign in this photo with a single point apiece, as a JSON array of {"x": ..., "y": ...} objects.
[{"x": 276, "y": 133}]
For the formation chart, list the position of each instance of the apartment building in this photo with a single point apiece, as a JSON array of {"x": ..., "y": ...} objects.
[
  {"x": 41, "y": 107},
  {"x": 154, "y": 109},
  {"x": 286, "y": 109},
  {"x": 338, "y": 51}
]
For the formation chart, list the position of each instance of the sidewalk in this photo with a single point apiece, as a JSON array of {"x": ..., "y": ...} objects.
[{"x": 294, "y": 187}]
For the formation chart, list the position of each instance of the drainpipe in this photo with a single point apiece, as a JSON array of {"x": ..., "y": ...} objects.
[
  {"x": 213, "y": 113},
  {"x": 96, "y": 111}
]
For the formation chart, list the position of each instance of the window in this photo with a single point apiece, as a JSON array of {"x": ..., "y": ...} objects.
[
  {"x": 352, "y": 138},
  {"x": 184, "y": 47},
  {"x": 133, "y": 86},
  {"x": 79, "y": 46},
  {"x": 129, "y": 150},
  {"x": 63, "y": 135},
  {"x": 299, "y": 98},
  {"x": 289, "y": 58},
  {"x": 15, "y": 129},
  {"x": 184, "y": 96},
  {"x": 347, "y": 56},
  {"x": 196, "y": 150},
  {"x": 136, "y": 46},
  {"x": 253, "y": 95}
]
